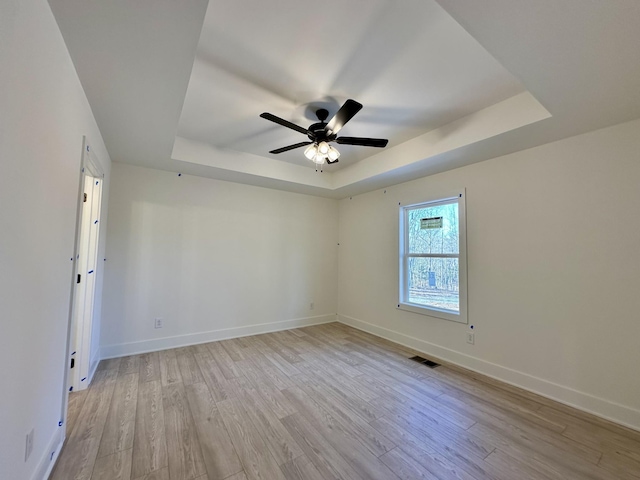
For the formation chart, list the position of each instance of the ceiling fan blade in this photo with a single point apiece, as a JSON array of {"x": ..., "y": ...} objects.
[
  {"x": 290, "y": 147},
  {"x": 284, "y": 123},
  {"x": 346, "y": 113},
  {"x": 365, "y": 142}
]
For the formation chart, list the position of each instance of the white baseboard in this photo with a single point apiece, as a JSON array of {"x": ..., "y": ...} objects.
[
  {"x": 609, "y": 410},
  {"x": 93, "y": 366},
  {"x": 133, "y": 348},
  {"x": 50, "y": 455}
]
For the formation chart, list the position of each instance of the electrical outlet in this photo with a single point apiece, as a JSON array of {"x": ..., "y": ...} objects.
[
  {"x": 157, "y": 323},
  {"x": 311, "y": 305},
  {"x": 28, "y": 447},
  {"x": 471, "y": 338}
]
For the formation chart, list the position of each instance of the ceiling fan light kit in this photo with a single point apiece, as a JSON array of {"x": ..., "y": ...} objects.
[
  {"x": 321, "y": 134},
  {"x": 333, "y": 154},
  {"x": 311, "y": 151},
  {"x": 318, "y": 153}
]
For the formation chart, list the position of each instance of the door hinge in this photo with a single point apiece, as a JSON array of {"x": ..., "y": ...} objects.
[
  {"x": 79, "y": 277},
  {"x": 85, "y": 198}
]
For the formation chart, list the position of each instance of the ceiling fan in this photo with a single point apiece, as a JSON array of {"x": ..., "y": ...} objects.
[{"x": 321, "y": 134}]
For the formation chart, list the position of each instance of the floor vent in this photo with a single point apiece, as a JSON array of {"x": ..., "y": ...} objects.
[
  {"x": 424, "y": 361},
  {"x": 431, "y": 364},
  {"x": 418, "y": 359}
]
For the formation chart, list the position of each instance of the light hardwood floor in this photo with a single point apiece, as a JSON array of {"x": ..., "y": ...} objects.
[{"x": 325, "y": 402}]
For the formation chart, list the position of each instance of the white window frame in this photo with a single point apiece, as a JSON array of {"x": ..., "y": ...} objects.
[{"x": 403, "y": 291}]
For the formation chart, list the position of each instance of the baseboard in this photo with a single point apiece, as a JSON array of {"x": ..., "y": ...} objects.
[
  {"x": 606, "y": 409},
  {"x": 50, "y": 456},
  {"x": 93, "y": 366},
  {"x": 133, "y": 348}
]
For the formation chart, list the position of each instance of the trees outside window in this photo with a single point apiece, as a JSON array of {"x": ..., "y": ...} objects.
[{"x": 433, "y": 258}]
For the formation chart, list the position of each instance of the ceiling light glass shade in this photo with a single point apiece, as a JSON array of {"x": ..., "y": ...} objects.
[
  {"x": 333, "y": 154},
  {"x": 319, "y": 159},
  {"x": 323, "y": 148},
  {"x": 311, "y": 151}
]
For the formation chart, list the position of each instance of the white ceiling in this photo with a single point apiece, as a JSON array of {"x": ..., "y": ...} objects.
[
  {"x": 384, "y": 57},
  {"x": 180, "y": 85}
]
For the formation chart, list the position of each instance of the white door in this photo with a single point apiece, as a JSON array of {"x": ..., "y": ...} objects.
[{"x": 86, "y": 262}]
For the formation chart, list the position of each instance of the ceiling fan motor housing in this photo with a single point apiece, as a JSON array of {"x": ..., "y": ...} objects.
[{"x": 318, "y": 133}]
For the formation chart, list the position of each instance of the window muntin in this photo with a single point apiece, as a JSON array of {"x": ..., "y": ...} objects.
[{"x": 433, "y": 258}]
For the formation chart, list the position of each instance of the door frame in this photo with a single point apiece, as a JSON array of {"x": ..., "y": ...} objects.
[{"x": 82, "y": 300}]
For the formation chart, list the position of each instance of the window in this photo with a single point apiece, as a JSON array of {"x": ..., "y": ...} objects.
[{"x": 433, "y": 264}]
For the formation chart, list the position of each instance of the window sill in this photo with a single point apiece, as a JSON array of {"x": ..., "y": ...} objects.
[{"x": 433, "y": 312}]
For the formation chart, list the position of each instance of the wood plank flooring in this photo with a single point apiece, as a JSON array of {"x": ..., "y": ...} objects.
[{"x": 325, "y": 402}]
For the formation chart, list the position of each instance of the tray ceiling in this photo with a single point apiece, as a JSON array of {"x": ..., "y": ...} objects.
[{"x": 180, "y": 85}]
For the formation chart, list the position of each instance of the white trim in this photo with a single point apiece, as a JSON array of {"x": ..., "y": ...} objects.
[
  {"x": 50, "y": 455},
  {"x": 459, "y": 197},
  {"x": 431, "y": 311},
  {"x": 600, "y": 407},
  {"x": 95, "y": 361},
  {"x": 90, "y": 163},
  {"x": 144, "y": 346}
]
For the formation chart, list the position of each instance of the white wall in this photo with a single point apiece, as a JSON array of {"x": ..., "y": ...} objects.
[
  {"x": 554, "y": 277},
  {"x": 213, "y": 259},
  {"x": 43, "y": 116}
]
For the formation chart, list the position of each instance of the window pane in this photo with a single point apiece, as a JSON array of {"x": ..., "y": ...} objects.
[
  {"x": 434, "y": 282},
  {"x": 434, "y": 229}
]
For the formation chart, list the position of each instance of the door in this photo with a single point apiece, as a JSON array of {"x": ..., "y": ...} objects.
[{"x": 86, "y": 266}]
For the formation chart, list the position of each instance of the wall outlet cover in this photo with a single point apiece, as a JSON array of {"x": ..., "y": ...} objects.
[{"x": 471, "y": 338}]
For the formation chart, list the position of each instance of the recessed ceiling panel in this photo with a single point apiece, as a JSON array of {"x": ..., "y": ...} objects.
[
  {"x": 408, "y": 62},
  {"x": 434, "y": 88}
]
